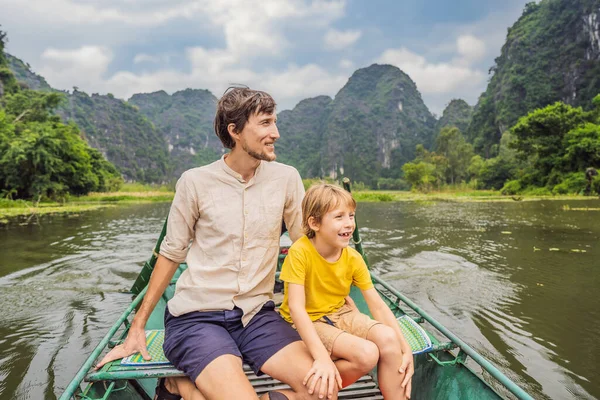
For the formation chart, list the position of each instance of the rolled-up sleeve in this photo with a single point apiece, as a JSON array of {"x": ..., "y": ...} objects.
[
  {"x": 292, "y": 214},
  {"x": 182, "y": 221}
]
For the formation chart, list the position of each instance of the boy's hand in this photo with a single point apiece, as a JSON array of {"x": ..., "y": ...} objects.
[
  {"x": 329, "y": 375},
  {"x": 407, "y": 369}
]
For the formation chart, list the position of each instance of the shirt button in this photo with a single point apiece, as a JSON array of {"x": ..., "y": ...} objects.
[
  {"x": 246, "y": 212},
  {"x": 244, "y": 259}
]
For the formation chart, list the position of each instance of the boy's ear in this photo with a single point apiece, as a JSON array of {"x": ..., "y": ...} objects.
[{"x": 313, "y": 224}]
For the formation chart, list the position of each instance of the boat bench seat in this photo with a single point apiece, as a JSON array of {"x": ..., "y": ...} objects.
[
  {"x": 135, "y": 367},
  {"x": 364, "y": 388}
]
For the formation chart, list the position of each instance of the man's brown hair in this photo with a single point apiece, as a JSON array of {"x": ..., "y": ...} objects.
[
  {"x": 319, "y": 200},
  {"x": 236, "y": 106}
]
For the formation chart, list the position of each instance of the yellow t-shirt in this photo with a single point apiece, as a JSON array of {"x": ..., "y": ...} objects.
[{"x": 326, "y": 284}]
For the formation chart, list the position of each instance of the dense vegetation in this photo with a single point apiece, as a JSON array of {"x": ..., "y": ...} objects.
[
  {"x": 548, "y": 151},
  {"x": 185, "y": 121},
  {"x": 25, "y": 76},
  {"x": 366, "y": 132},
  {"x": 377, "y": 130},
  {"x": 551, "y": 54},
  {"x": 40, "y": 156},
  {"x": 122, "y": 133},
  {"x": 457, "y": 113}
]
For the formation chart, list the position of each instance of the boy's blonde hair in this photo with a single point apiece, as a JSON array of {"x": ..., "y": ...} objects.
[{"x": 319, "y": 200}]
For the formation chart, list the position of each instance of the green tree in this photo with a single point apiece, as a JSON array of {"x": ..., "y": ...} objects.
[
  {"x": 540, "y": 137},
  {"x": 452, "y": 145},
  {"x": 42, "y": 157},
  {"x": 420, "y": 175},
  {"x": 8, "y": 82},
  {"x": 582, "y": 148},
  {"x": 475, "y": 167}
]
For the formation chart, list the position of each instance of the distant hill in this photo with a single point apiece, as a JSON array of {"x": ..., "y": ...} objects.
[
  {"x": 457, "y": 113},
  {"x": 369, "y": 130},
  {"x": 185, "y": 120},
  {"x": 121, "y": 133},
  {"x": 25, "y": 75},
  {"x": 552, "y": 53},
  {"x": 303, "y": 134}
]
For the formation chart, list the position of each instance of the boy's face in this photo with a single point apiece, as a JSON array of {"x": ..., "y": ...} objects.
[{"x": 336, "y": 227}]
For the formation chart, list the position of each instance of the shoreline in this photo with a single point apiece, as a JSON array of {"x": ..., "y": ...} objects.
[
  {"x": 10, "y": 209},
  {"x": 474, "y": 196}
]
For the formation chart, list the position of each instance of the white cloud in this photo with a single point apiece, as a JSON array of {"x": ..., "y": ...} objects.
[
  {"x": 288, "y": 86},
  {"x": 252, "y": 34},
  {"x": 337, "y": 40},
  {"x": 440, "y": 77},
  {"x": 346, "y": 64},
  {"x": 147, "y": 58},
  {"x": 210, "y": 69},
  {"x": 470, "y": 48},
  {"x": 82, "y": 67}
]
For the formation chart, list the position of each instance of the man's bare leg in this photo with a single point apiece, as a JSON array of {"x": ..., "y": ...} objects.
[
  {"x": 290, "y": 365},
  {"x": 357, "y": 357},
  {"x": 224, "y": 378}
]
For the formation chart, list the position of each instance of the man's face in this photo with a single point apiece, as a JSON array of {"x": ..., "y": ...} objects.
[{"x": 259, "y": 135}]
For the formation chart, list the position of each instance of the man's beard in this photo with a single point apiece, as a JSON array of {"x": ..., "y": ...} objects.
[{"x": 259, "y": 156}]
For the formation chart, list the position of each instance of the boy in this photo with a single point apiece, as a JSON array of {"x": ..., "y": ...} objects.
[{"x": 318, "y": 272}]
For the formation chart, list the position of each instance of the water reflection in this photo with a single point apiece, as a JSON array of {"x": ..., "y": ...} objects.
[
  {"x": 515, "y": 280},
  {"x": 63, "y": 283}
]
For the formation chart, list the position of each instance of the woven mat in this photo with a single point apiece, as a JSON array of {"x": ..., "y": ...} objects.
[
  {"x": 415, "y": 335},
  {"x": 154, "y": 341}
]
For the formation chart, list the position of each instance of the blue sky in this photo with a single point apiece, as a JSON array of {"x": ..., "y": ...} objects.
[{"x": 292, "y": 48}]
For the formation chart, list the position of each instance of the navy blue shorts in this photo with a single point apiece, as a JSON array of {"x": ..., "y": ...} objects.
[{"x": 195, "y": 339}]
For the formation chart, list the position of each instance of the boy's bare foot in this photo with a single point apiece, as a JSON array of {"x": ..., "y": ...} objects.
[{"x": 167, "y": 390}]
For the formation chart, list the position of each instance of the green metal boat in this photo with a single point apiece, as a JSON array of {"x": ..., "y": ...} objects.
[{"x": 441, "y": 371}]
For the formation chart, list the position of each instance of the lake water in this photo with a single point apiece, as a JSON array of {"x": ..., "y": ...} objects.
[{"x": 516, "y": 281}]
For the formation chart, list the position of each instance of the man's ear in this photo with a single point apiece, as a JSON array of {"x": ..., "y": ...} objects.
[
  {"x": 233, "y": 132},
  {"x": 313, "y": 224}
]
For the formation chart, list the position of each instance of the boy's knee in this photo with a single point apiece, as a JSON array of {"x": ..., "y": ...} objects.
[
  {"x": 367, "y": 356},
  {"x": 387, "y": 342}
]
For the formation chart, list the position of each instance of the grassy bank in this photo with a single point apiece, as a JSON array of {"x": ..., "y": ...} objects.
[
  {"x": 138, "y": 193},
  {"x": 128, "y": 194},
  {"x": 455, "y": 196}
]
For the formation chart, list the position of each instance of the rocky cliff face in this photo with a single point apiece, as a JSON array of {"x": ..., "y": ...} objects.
[
  {"x": 302, "y": 133},
  {"x": 123, "y": 135},
  {"x": 551, "y": 53},
  {"x": 185, "y": 120},
  {"x": 25, "y": 75},
  {"x": 457, "y": 113},
  {"x": 368, "y": 131}
]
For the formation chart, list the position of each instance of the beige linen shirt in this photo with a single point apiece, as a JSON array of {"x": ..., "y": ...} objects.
[{"x": 234, "y": 228}]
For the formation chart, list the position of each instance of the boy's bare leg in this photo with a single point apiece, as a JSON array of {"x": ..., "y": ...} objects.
[
  {"x": 390, "y": 360},
  {"x": 357, "y": 357},
  {"x": 184, "y": 387},
  {"x": 224, "y": 378},
  {"x": 290, "y": 365}
]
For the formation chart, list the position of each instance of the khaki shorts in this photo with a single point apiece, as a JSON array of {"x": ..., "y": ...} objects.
[{"x": 346, "y": 319}]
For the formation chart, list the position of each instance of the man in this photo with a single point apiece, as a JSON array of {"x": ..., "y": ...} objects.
[{"x": 221, "y": 313}]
